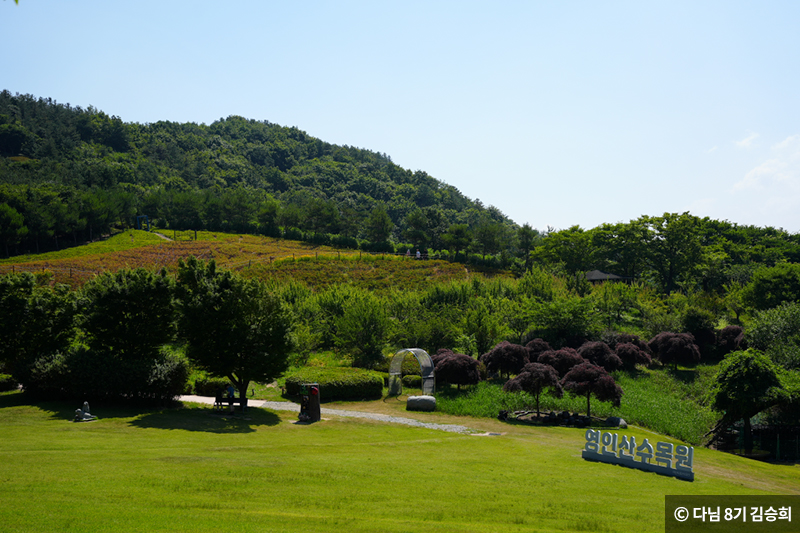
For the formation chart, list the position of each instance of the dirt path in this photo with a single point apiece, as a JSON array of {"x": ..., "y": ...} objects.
[{"x": 291, "y": 406}]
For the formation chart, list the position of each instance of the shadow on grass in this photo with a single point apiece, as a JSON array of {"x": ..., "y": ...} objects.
[
  {"x": 207, "y": 420},
  {"x": 195, "y": 418},
  {"x": 65, "y": 409}
]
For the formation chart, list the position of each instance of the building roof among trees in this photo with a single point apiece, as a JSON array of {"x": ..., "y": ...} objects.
[{"x": 598, "y": 275}]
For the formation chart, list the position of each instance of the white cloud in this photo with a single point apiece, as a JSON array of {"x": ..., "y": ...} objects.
[
  {"x": 778, "y": 172},
  {"x": 771, "y": 190},
  {"x": 792, "y": 143},
  {"x": 746, "y": 142},
  {"x": 714, "y": 149}
]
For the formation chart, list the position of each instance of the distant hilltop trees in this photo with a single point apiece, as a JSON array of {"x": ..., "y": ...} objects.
[{"x": 69, "y": 175}]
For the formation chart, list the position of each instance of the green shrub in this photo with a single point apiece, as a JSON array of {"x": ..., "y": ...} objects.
[
  {"x": 208, "y": 386},
  {"x": 414, "y": 382},
  {"x": 7, "y": 383},
  {"x": 410, "y": 365},
  {"x": 338, "y": 383}
]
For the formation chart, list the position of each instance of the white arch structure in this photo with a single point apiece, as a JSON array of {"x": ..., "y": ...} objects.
[{"x": 396, "y": 371}]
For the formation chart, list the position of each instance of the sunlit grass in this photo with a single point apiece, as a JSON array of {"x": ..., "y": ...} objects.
[
  {"x": 119, "y": 242},
  {"x": 190, "y": 470},
  {"x": 653, "y": 399}
]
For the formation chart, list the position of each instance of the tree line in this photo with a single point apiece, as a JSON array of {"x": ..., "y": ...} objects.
[
  {"x": 234, "y": 175},
  {"x": 68, "y": 174},
  {"x": 133, "y": 335}
]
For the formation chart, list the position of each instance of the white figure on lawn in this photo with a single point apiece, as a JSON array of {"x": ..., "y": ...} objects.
[{"x": 84, "y": 414}]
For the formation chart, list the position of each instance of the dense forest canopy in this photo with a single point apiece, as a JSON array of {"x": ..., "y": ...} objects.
[
  {"x": 71, "y": 171},
  {"x": 69, "y": 174}
]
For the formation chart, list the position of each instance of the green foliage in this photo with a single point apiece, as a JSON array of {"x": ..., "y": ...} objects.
[
  {"x": 35, "y": 321},
  {"x": 209, "y": 386},
  {"x": 773, "y": 286},
  {"x": 83, "y": 374},
  {"x": 700, "y": 323},
  {"x": 537, "y": 283},
  {"x": 338, "y": 383},
  {"x": 673, "y": 248},
  {"x": 777, "y": 333},
  {"x": 234, "y": 175},
  {"x": 233, "y": 327},
  {"x": 128, "y": 314},
  {"x": 747, "y": 383},
  {"x": 7, "y": 382},
  {"x": 565, "y": 321},
  {"x": 362, "y": 329},
  {"x": 612, "y": 300},
  {"x": 411, "y": 381}
]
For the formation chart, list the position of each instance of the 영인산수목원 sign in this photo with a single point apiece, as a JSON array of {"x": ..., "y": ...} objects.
[{"x": 666, "y": 458}]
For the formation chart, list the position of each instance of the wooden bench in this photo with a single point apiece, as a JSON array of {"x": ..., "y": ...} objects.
[{"x": 221, "y": 401}]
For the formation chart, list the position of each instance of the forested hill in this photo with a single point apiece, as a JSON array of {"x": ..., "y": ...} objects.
[{"x": 70, "y": 173}]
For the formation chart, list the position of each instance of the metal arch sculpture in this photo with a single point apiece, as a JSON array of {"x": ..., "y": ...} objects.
[{"x": 396, "y": 371}]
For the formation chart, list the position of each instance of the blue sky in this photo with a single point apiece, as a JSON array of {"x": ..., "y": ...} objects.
[{"x": 557, "y": 113}]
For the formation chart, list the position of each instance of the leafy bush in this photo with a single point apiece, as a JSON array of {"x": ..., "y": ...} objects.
[
  {"x": 208, "y": 386},
  {"x": 85, "y": 374},
  {"x": 600, "y": 354},
  {"x": 730, "y": 339},
  {"x": 565, "y": 321},
  {"x": 412, "y": 381},
  {"x": 535, "y": 378},
  {"x": 777, "y": 333},
  {"x": 772, "y": 286},
  {"x": 338, "y": 383},
  {"x": 587, "y": 379},
  {"x": 675, "y": 348},
  {"x": 613, "y": 338},
  {"x": 362, "y": 330},
  {"x": 536, "y": 347},
  {"x": 7, "y": 383},
  {"x": 700, "y": 323},
  {"x": 562, "y": 360},
  {"x": 505, "y": 358},
  {"x": 457, "y": 369},
  {"x": 631, "y": 355}
]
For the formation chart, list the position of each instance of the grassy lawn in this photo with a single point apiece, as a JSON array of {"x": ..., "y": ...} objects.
[
  {"x": 660, "y": 400},
  {"x": 188, "y": 470}
]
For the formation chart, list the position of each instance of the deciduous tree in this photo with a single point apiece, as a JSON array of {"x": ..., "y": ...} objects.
[
  {"x": 675, "y": 348},
  {"x": 747, "y": 383},
  {"x": 233, "y": 327},
  {"x": 457, "y": 369},
  {"x": 505, "y": 358},
  {"x": 587, "y": 379},
  {"x": 534, "y": 379}
]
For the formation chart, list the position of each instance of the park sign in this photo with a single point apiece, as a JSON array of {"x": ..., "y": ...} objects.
[{"x": 665, "y": 459}]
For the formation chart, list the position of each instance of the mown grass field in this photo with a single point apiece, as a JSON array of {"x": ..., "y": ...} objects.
[{"x": 189, "y": 470}]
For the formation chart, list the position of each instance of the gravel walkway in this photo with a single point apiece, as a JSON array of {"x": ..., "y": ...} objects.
[{"x": 290, "y": 406}]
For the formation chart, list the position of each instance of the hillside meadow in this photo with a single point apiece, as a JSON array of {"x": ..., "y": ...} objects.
[
  {"x": 186, "y": 469},
  {"x": 266, "y": 258}
]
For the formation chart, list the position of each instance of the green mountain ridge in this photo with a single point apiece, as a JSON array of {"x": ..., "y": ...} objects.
[{"x": 71, "y": 173}]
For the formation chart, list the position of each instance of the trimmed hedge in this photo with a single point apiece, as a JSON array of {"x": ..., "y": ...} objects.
[{"x": 338, "y": 383}]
